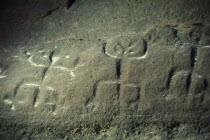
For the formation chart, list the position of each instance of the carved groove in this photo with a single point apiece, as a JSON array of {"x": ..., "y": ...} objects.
[
  {"x": 36, "y": 92},
  {"x": 104, "y": 48},
  {"x": 188, "y": 82},
  {"x": 17, "y": 87},
  {"x": 93, "y": 94},
  {"x": 193, "y": 55},
  {"x": 118, "y": 89},
  {"x": 69, "y": 3},
  {"x": 170, "y": 76},
  {"x": 118, "y": 68},
  {"x": 76, "y": 61},
  {"x": 138, "y": 97},
  {"x": 205, "y": 84},
  {"x": 145, "y": 46},
  {"x": 51, "y": 56},
  {"x": 94, "y": 89},
  {"x": 44, "y": 72}
]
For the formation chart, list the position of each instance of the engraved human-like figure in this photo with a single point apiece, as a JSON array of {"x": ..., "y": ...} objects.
[
  {"x": 42, "y": 94},
  {"x": 114, "y": 95}
]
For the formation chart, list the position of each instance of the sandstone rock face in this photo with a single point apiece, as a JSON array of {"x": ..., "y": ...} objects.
[{"x": 151, "y": 83}]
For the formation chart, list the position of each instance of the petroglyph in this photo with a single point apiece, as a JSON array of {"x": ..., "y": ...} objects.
[
  {"x": 30, "y": 94},
  {"x": 119, "y": 49},
  {"x": 125, "y": 96},
  {"x": 118, "y": 68},
  {"x": 34, "y": 95},
  {"x": 170, "y": 76},
  {"x": 198, "y": 84},
  {"x": 27, "y": 94},
  {"x": 125, "y": 48},
  {"x": 17, "y": 87},
  {"x": 106, "y": 96},
  {"x": 188, "y": 83},
  {"x": 44, "y": 73},
  {"x": 48, "y": 60},
  {"x": 180, "y": 83},
  {"x": 193, "y": 55},
  {"x": 129, "y": 97},
  {"x": 131, "y": 75},
  {"x": 34, "y": 64}
]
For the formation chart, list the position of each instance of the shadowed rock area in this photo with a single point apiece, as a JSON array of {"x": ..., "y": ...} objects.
[{"x": 96, "y": 69}]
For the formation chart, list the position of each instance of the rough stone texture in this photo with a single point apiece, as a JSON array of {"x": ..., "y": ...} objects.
[{"x": 115, "y": 69}]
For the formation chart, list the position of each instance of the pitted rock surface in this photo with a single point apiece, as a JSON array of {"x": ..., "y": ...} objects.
[{"x": 105, "y": 85}]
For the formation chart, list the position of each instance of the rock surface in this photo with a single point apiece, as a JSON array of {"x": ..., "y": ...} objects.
[{"x": 114, "y": 69}]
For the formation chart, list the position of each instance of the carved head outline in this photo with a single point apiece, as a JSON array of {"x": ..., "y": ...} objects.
[{"x": 125, "y": 47}]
